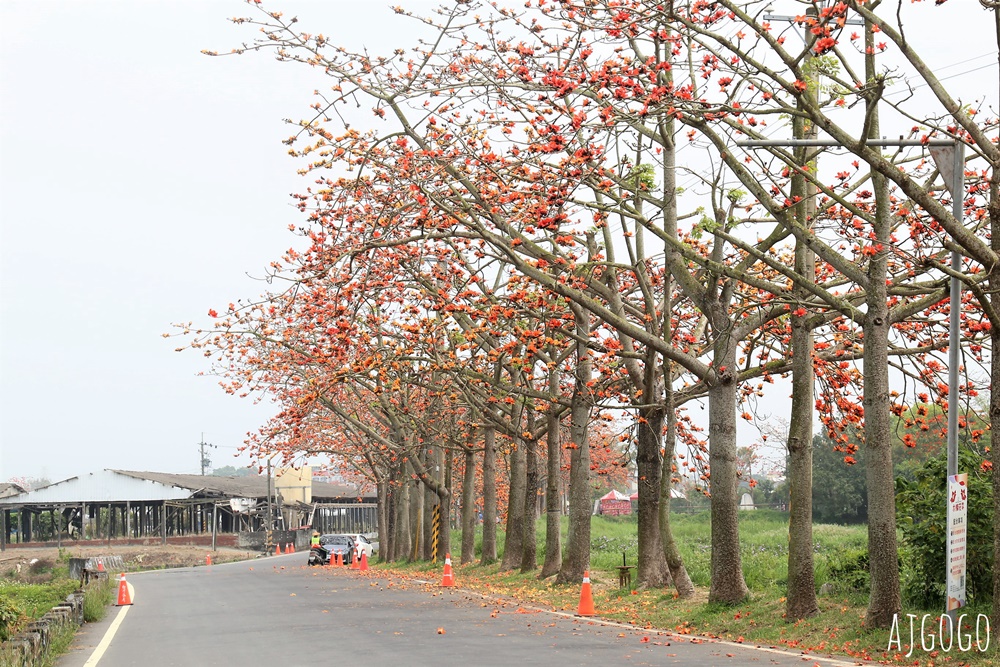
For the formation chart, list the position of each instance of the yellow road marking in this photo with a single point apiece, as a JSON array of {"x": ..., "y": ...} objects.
[{"x": 106, "y": 642}]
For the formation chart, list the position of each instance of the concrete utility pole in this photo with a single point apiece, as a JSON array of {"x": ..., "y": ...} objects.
[
  {"x": 205, "y": 461},
  {"x": 949, "y": 157}
]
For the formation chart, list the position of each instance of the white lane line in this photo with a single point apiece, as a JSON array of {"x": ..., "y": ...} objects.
[{"x": 106, "y": 642}]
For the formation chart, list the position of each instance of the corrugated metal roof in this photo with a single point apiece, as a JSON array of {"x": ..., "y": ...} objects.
[
  {"x": 134, "y": 486},
  {"x": 250, "y": 486},
  {"x": 9, "y": 489},
  {"x": 207, "y": 485},
  {"x": 104, "y": 486}
]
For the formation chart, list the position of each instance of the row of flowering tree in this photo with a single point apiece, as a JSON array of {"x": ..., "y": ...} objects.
[{"x": 548, "y": 230}]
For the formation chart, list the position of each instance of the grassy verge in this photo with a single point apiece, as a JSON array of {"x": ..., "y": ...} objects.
[
  {"x": 23, "y": 603},
  {"x": 838, "y": 629},
  {"x": 97, "y": 597}
]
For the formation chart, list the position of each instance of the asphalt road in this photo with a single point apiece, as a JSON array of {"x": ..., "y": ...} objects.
[{"x": 277, "y": 612}]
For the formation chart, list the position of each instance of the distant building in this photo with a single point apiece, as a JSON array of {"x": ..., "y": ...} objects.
[
  {"x": 130, "y": 506},
  {"x": 10, "y": 489}
]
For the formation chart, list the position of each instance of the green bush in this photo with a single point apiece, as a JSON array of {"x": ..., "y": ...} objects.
[
  {"x": 11, "y": 615},
  {"x": 922, "y": 512},
  {"x": 96, "y": 599},
  {"x": 31, "y": 601},
  {"x": 847, "y": 569}
]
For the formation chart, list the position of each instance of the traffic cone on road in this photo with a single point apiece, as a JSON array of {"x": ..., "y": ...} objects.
[
  {"x": 340, "y": 561},
  {"x": 290, "y": 548},
  {"x": 124, "y": 594},
  {"x": 208, "y": 559},
  {"x": 364, "y": 561},
  {"x": 277, "y": 549},
  {"x": 586, "y": 598},
  {"x": 448, "y": 579},
  {"x": 356, "y": 561}
]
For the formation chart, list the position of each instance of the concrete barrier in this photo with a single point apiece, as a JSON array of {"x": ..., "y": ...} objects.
[
  {"x": 30, "y": 645},
  {"x": 77, "y": 566}
]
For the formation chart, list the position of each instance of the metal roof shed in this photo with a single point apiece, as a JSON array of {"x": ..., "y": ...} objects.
[
  {"x": 105, "y": 486},
  {"x": 107, "y": 505}
]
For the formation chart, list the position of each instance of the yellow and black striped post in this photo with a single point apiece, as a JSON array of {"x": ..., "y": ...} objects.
[{"x": 435, "y": 533}]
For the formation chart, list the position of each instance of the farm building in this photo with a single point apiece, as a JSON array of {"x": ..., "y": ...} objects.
[
  {"x": 9, "y": 489},
  {"x": 125, "y": 507}
]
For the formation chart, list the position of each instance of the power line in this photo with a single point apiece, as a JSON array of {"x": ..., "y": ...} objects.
[
  {"x": 943, "y": 78},
  {"x": 969, "y": 60}
]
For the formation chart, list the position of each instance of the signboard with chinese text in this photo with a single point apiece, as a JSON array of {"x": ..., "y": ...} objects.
[{"x": 958, "y": 503}]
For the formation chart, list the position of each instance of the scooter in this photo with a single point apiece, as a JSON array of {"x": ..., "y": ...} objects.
[{"x": 319, "y": 555}]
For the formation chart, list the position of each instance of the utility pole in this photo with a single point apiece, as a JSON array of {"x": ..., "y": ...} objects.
[
  {"x": 949, "y": 158},
  {"x": 205, "y": 461},
  {"x": 270, "y": 521}
]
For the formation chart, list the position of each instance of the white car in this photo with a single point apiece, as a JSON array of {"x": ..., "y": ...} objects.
[{"x": 361, "y": 542}]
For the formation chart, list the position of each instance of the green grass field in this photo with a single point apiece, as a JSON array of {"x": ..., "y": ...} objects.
[{"x": 837, "y": 630}]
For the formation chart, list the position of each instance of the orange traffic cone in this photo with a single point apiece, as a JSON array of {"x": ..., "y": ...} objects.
[
  {"x": 208, "y": 559},
  {"x": 356, "y": 561},
  {"x": 277, "y": 549},
  {"x": 586, "y": 598},
  {"x": 448, "y": 579},
  {"x": 124, "y": 594},
  {"x": 364, "y": 561},
  {"x": 290, "y": 548},
  {"x": 100, "y": 565}
]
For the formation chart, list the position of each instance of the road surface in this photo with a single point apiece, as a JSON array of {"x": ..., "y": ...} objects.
[{"x": 277, "y": 612}]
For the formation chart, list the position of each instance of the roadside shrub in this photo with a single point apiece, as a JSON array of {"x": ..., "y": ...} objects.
[
  {"x": 97, "y": 597},
  {"x": 847, "y": 570},
  {"x": 33, "y": 600},
  {"x": 922, "y": 512},
  {"x": 11, "y": 615}
]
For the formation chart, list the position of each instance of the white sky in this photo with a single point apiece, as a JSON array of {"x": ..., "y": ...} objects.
[{"x": 140, "y": 181}]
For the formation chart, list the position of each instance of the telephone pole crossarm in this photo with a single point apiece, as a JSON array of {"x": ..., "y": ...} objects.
[{"x": 949, "y": 158}]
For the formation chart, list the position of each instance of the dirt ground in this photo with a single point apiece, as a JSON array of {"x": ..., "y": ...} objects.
[{"x": 31, "y": 565}]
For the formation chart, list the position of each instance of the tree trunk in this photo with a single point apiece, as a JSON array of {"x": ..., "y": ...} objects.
[
  {"x": 469, "y": 508},
  {"x": 672, "y": 555},
  {"x": 728, "y": 585},
  {"x": 885, "y": 600},
  {"x": 553, "y": 472},
  {"x": 513, "y": 549},
  {"x": 650, "y": 565},
  {"x": 675, "y": 564},
  {"x": 577, "y": 558},
  {"x": 384, "y": 513},
  {"x": 489, "y": 554},
  {"x": 417, "y": 497},
  {"x": 401, "y": 543},
  {"x": 529, "y": 546},
  {"x": 801, "y": 598}
]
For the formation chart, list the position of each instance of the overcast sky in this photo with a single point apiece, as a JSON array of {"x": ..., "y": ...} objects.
[{"x": 142, "y": 183}]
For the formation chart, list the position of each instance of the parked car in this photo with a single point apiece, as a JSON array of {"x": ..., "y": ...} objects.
[
  {"x": 366, "y": 546},
  {"x": 329, "y": 545}
]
